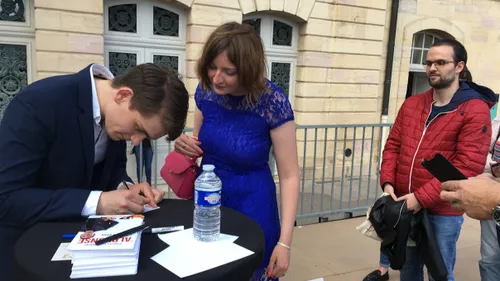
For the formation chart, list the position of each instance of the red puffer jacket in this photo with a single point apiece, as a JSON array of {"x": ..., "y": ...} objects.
[{"x": 460, "y": 132}]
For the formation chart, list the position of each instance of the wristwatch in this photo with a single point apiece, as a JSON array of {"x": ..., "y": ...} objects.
[{"x": 496, "y": 215}]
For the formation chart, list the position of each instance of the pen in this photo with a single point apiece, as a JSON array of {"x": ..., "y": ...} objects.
[
  {"x": 122, "y": 234},
  {"x": 126, "y": 185},
  {"x": 165, "y": 229},
  {"x": 154, "y": 230}
]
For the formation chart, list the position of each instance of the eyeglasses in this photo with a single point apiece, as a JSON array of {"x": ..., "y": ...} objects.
[{"x": 438, "y": 63}]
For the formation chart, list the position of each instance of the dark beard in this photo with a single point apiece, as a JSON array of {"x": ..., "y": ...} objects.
[{"x": 443, "y": 83}]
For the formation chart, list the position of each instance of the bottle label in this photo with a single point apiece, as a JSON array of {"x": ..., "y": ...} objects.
[{"x": 207, "y": 198}]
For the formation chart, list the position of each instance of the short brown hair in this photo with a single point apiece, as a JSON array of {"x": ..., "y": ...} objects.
[
  {"x": 244, "y": 49},
  {"x": 157, "y": 90}
]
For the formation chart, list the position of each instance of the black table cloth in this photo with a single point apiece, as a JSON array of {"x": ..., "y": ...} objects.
[{"x": 34, "y": 250}]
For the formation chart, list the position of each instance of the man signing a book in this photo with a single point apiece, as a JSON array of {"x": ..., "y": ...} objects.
[{"x": 63, "y": 146}]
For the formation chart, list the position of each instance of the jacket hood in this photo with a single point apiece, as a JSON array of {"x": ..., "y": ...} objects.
[{"x": 471, "y": 90}]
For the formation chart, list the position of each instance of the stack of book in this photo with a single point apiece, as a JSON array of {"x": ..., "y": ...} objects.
[{"x": 116, "y": 258}]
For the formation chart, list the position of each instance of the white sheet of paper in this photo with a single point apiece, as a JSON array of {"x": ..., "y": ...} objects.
[
  {"x": 62, "y": 253},
  {"x": 192, "y": 258},
  {"x": 148, "y": 208},
  {"x": 186, "y": 237}
]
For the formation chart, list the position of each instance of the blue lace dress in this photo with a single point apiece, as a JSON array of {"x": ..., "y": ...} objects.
[{"x": 236, "y": 139}]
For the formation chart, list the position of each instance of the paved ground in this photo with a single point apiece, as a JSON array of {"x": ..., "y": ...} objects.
[
  {"x": 348, "y": 197},
  {"x": 335, "y": 251}
]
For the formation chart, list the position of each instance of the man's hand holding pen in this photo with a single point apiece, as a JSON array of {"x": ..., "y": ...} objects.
[
  {"x": 129, "y": 199},
  {"x": 144, "y": 189}
]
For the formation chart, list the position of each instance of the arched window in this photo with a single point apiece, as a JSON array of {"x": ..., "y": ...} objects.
[
  {"x": 137, "y": 32},
  {"x": 17, "y": 34},
  {"x": 280, "y": 38},
  {"x": 422, "y": 42},
  {"x": 417, "y": 79}
]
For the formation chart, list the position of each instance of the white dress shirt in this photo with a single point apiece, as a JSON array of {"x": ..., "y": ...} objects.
[{"x": 100, "y": 135}]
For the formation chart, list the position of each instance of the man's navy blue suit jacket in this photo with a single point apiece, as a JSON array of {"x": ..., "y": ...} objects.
[{"x": 47, "y": 158}]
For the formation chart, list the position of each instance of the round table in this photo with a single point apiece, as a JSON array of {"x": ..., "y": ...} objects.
[{"x": 34, "y": 250}]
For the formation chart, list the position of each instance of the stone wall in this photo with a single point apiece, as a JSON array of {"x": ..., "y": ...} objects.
[
  {"x": 340, "y": 56},
  {"x": 475, "y": 23},
  {"x": 68, "y": 35}
]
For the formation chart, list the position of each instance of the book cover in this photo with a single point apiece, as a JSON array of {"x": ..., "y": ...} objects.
[{"x": 85, "y": 239}]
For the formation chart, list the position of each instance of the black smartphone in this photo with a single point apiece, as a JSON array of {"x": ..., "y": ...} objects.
[{"x": 442, "y": 169}]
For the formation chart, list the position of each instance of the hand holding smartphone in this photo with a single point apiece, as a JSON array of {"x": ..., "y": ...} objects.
[{"x": 442, "y": 169}]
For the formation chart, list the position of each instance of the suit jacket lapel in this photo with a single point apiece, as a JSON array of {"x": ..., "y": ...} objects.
[{"x": 86, "y": 120}]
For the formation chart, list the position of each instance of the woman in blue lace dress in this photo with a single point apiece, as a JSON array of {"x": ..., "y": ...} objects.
[{"x": 239, "y": 115}]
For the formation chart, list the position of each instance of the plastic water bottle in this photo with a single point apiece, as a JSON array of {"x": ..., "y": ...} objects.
[{"x": 207, "y": 200}]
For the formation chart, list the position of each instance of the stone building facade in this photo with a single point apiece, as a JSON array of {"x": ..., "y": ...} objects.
[{"x": 328, "y": 55}]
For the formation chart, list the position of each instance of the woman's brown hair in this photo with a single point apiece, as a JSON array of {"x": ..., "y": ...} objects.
[{"x": 244, "y": 49}]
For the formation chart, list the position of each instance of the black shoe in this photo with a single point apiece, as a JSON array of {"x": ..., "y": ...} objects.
[{"x": 376, "y": 275}]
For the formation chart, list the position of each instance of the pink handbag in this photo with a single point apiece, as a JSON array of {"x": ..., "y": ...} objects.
[{"x": 180, "y": 172}]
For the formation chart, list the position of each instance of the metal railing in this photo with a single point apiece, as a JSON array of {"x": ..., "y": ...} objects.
[{"x": 339, "y": 167}]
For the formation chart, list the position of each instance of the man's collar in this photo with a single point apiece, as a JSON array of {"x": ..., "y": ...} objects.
[{"x": 101, "y": 71}]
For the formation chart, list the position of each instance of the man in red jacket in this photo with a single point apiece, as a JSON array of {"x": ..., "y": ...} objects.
[{"x": 452, "y": 118}]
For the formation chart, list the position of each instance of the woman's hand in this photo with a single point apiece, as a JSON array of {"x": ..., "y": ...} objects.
[
  {"x": 189, "y": 146},
  {"x": 280, "y": 260}
]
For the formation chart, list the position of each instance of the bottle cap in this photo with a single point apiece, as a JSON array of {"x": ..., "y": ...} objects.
[{"x": 208, "y": 167}]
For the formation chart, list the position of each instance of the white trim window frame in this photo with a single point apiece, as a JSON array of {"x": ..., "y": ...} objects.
[
  {"x": 23, "y": 29},
  {"x": 18, "y": 33},
  {"x": 124, "y": 50},
  {"x": 278, "y": 53},
  {"x": 30, "y": 50},
  {"x": 22, "y": 33},
  {"x": 291, "y": 82},
  {"x": 419, "y": 49},
  {"x": 144, "y": 35},
  {"x": 143, "y": 41},
  {"x": 181, "y": 56}
]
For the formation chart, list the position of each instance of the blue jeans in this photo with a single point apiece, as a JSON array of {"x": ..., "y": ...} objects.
[
  {"x": 384, "y": 260},
  {"x": 147, "y": 158},
  {"x": 489, "y": 265},
  {"x": 447, "y": 230}
]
